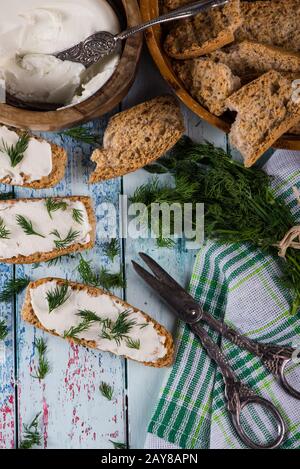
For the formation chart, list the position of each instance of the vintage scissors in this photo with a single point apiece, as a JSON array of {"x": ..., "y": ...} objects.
[{"x": 275, "y": 358}]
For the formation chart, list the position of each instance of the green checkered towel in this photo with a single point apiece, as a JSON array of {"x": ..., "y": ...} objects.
[{"x": 241, "y": 284}]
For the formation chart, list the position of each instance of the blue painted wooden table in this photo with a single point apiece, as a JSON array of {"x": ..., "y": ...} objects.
[{"x": 73, "y": 412}]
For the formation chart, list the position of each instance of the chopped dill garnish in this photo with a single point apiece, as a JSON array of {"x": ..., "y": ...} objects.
[
  {"x": 106, "y": 390},
  {"x": 27, "y": 226},
  {"x": 53, "y": 205},
  {"x": 16, "y": 152},
  {"x": 81, "y": 134},
  {"x": 119, "y": 329},
  {"x": 131, "y": 343},
  {"x": 77, "y": 215},
  {"x": 57, "y": 297},
  {"x": 118, "y": 445},
  {"x": 13, "y": 287},
  {"x": 86, "y": 273},
  {"x": 112, "y": 249},
  {"x": 43, "y": 364},
  {"x": 4, "y": 232},
  {"x": 88, "y": 315},
  {"x": 109, "y": 280},
  {"x": 32, "y": 436},
  {"x": 103, "y": 278},
  {"x": 69, "y": 239},
  {"x": 3, "y": 330},
  {"x": 73, "y": 332}
]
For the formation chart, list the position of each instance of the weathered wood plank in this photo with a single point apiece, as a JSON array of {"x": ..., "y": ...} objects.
[
  {"x": 144, "y": 383},
  {"x": 7, "y": 363},
  {"x": 74, "y": 413}
]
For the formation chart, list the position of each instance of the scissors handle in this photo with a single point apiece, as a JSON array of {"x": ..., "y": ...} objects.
[
  {"x": 239, "y": 395},
  {"x": 275, "y": 357}
]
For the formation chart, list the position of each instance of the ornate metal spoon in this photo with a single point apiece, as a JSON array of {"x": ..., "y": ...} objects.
[{"x": 103, "y": 43}]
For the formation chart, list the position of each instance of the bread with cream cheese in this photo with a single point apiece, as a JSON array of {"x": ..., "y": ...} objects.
[
  {"x": 39, "y": 255},
  {"x": 59, "y": 162},
  {"x": 30, "y": 315}
]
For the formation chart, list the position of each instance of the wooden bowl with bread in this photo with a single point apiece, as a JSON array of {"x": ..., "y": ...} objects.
[
  {"x": 103, "y": 100},
  {"x": 258, "y": 48}
]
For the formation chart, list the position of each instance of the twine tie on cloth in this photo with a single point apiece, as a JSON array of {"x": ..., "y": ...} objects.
[{"x": 293, "y": 234}]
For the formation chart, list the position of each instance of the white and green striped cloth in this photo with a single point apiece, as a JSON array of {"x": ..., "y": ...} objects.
[{"x": 241, "y": 284}]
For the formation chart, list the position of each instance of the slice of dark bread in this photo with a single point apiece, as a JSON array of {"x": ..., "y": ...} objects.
[
  {"x": 138, "y": 136},
  {"x": 210, "y": 83},
  {"x": 204, "y": 32},
  {"x": 265, "y": 111},
  {"x": 274, "y": 22},
  {"x": 251, "y": 59}
]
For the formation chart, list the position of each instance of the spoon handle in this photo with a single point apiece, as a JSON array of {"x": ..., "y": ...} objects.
[{"x": 184, "y": 12}]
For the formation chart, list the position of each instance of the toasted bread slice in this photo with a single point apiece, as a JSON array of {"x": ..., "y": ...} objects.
[
  {"x": 59, "y": 162},
  {"x": 204, "y": 32},
  {"x": 251, "y": 59},
  {"x": 275, "y": 22},
  {"x": 266, "y": 110},
  {"x": 153, "y": 343},
  {"x": 138, "y": 136},
  {"x": 209, "y": 82},
  {"x": 38, "y": 217}
]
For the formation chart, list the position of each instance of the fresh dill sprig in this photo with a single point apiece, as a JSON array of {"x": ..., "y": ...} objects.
[
  {"x": 103, "y": 278},
  {"x": 32, "y": 436},
  {"x": 77, "y": 215},
  {"x": 135, "y": 344},
  {"x": 86, "y": 273},
  {"x": 142, "y": 326},
  {"x": 118, "y": 445},
  {"x": 89, "y": 316},
  {"x": 109, "y": 280},
  {"x": 16, "y": 152},
  {"x": 53, "y": 205},
  {"x": 57, "y": 297},
  {"x": 81, "y": 134},
  {"x": 13, "y": 287},
  {"x": 106, "y": 390},
  {"x": 3, "y": 330},
  {"x": 239, "y": 203},
  {"x": 65, "y": 242},
  {"x": 56, "y": 260},
  {"x": 73, "y": 332},
  {"x": 119, "y": 329},
  {"x": 43, "y": 364},
  {"x": 112, "y": 249},
  {"x": 27, "y": 226},
  {"x": 4, "y": 232}
]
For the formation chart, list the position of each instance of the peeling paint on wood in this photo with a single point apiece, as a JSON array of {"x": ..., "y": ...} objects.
[{"x": 74, "y": 414}]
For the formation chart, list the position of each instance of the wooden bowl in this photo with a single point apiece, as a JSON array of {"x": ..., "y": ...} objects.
[
  {"x": 101, "y": 102},
  {"x": 149, "y": 10}
]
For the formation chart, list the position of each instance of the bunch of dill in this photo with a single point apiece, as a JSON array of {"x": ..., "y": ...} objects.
[{"x": 239, "y": 204}]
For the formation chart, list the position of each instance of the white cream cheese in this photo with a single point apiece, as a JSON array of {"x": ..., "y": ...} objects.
[
  {"x": 35, "y": 211},
  {"x": 64, "y": 317},
  {"x": 32, "y": 30},
  {"x": 36, "y": 162}
]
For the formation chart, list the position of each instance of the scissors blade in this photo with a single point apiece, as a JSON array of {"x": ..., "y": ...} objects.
[{"x": 170, "y": 291}]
